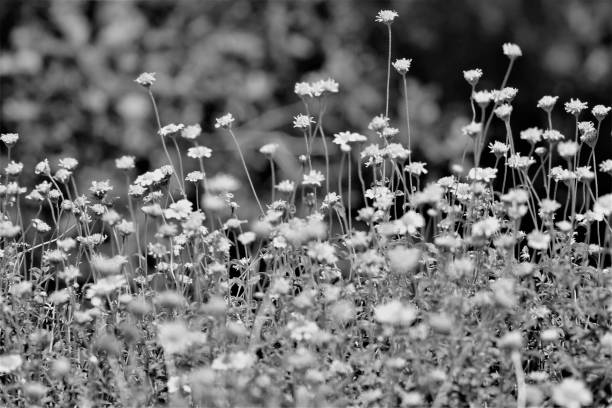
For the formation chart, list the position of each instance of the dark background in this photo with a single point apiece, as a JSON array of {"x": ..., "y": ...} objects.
[{"x": 67, "y": 71}]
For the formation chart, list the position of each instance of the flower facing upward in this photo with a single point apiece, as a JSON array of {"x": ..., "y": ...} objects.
[
  {"x": 552, "y": 135},
  {"x": 314, "y": 178},
  {"x": 533, "y": 135},
  {"x": 503, "y": 111},
  {"x": 402, "y": 66},
  {"x": 482, "y": 98},
  {"x": 9, "y": 139},
  {"x": 575, "y": 106},
  {"x": 512, "y": 51},
  {"x": 600, "y": 111},
  {"x": 547, "y": 102},
  {"x": 499, "y": 149},
  {"x": 269, "y": 149},
  {"x": 472, "y": 129},
  {"x": 386, "y": 16},
  {"x": 125, "y": 162},
  {"x": 567, "y": 149},
  {"x": 171, "y": 129},
  {"x": 302, "y": 121},
  {"x": 146, "y": 79},
  {"x": 224, "y": 121},
  {"x": 472, "y": 76},
  {"x": 571, "y": 393},
  {"x": 199, "y": 152},
  {"x": 538, "y": 240},
  {"x": 191, "y": 132}
]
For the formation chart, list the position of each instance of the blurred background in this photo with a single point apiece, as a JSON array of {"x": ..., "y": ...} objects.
[{"x": 67, "y": 71}]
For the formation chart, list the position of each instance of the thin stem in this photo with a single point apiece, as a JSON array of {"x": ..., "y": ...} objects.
[
  {"x": 388, "y": 72},
  {"x": 231, "y": 132}
]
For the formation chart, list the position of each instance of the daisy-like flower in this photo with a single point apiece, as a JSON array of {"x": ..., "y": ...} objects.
[
  {"x": 100, "y": 188},
  {"x": 588, "y": 133},
  {"x": 386, "y": 16},
  {"x": 517, "y": 161},
  {"x": 175, "y": 337},
  {"x": 43, "y": 168},
  {"x": 503, "y": 111},
  {"x": 403, "y": 260},
  {"x": 179, "y": 210},
  {"x": 395, "y": 313},
  {"x": 314, "y": 178},
  {"x": 171, "y": 130},
  {"x": 330, "y": 200},
  {"x": 486, "y": 227},
  {"x": 378, "y": 123},
  {"x": 396, "y": 151},
  {"x": 499, "y": 149},
  {"x": 538, "y": 240},
  {"x": 323, "y": 252},
  {"x": 285, "y": 186},
  {"x": 482, "y": 98},
  {"x": 600, "y": 112},
  {"x": 247, "y": 238},
  {"x": 224, "y": 121},
  {"x": 40, "y": 225},
  {"x": 146, "y": 79},
  {"x": 9, "y": 139},
  {"x": 108, "y": 266},
  {"x": 125, "y": 162},
  {"x": 472, "y": 129},
  {"x": 416, "y": 168},
  {"x": 603, "y": 205},
  {"x": 567, "y": 149},
  {"x": 191, "y": 132},
  {"x": 389, "y": 132},
  {"x": 194, "y": 176},
  {"x": 584, "y": 174},
  {"x": 575, "y": 106},
  {"x": 504, "y": 95},
  {"x": 199, "y": 152},
  {"x": 558, "y": 173},
  {"x": 8, "y": 230},
  {"x": 533, "y": 135},
  {"x": 269, "y": 149},
  {"x": 547, "y": 103},
  {"x": 345, "y": 138},
  {"x": 572, "y": 393},
  {"x": 13, "y": 168},
  {"x": 548, "y": 206},
  {"x": 402, "y": 66},
  {"x": 223, "y": 183},
  {"x": 303, "y": 89},
  {"x": 328, "y": 85},
  {"x": 68, "y": 163},
  {"x": 302, "y": 121},
  {"x": 472, "y": 76},
  {"x": 511, "y": 50},
  {"x": 606, "y": 166},
  {"x": 552, "y": 135}
]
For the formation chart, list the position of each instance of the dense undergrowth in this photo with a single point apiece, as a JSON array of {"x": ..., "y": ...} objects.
[{"x": 489, "y": 287}]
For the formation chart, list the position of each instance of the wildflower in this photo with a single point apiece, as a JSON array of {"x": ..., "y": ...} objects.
[
  {"x": 125, "y": 162},
  {"x": 499, "y": 149},
  {"x": 389, "y": 132},
  {"x": 146, "y": 79},
  {"x": 326, "y": 85},
  {"x": 402, "y": 66},
  {"x": 600, "y": 111},
  {"x": 575, "y": 106},
  {"x": 247, "y": 238},
  {"x": 42, "y": 168},
  {"x": 92, "y": 240},
  {"x": 511, "y": 50},
  {"x": 269, "y": 149},
  {"x": 548, "y": 206},
  {"x": 54, "y": 256},
  {"x": 10, "y": 363},
  {"x": 386, "y": 16},
  {"x": 175, "y": 337},
  {"x": 512, "y": 340},
  {"x": 302, "y": 121},
  {"x": 584, "y": 174},
  {"x": 603, "y": 205},
  {"x": 395, "y": 313},
  {"x": 100, "y": 188},
  {"x": 66, "y": 245},
  {"x": 550, "y": 335},
  {"x": 108, "y": 266},
  {"x": 68, "y": 163},
  {"x": 567, "y": 149},
  {"x": 194, "y": 176},
  {"x": 431, "y": 194},
  {"x": 330, "y": 200},
  {"x": 506, "y": 94},
  {"x": 472, "y": 76},
  {"x": 9, "y": 139},
  {"x": 199, "y": 152},
  {"x": 606, "y": 166},
  {"x": 547, "y": 103},
  {"x": 171, "y": 129},
  {"x": 517, "y": 161},
  {"x": 538, "y": 240},
  {"x": 486, "y": 227},
  {"x": 413, "y": 221},
  {"x": 486, "y": 174},
  {"x": 322, "y": 252},
  {"x": 533, "y": 135},
  {"x": 571, "y": 393},
  {"x": 588, "y": 133},
  {"x": 224, "y": 121},
  {"x": 460, "y": 267},
  {"x": 285, "y": 186},
  {"x": 403, "y": 260},
  {"x": 105, "y": 286},
  {"x": 472, "y": 130},
  {"x": 62, "y": 175},
  {"x": 504, "y": 293},
  {"x": 552, "y": 135},
  {"x": 179, "y": 210},
  {"x": 560, "y": 174},
  {"x": 238, "y": 360},
  {"x": 503, "y": 111},
  {"x": 416, "y": 168},
  {"x": 482, "y": 98},
  {"x": 314, "y": 178},
  {"x": 345, "y": 138},
  {"x": 378, "y": 123},
  {"x": 40, "y": 225},
  {"x": 191, "y": 132},
  {"x": 303, "y": 89},
  {"x": 223, "y": 183}
]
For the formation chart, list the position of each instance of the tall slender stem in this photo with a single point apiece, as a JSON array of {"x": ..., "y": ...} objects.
[
  {"x": 388, "y": 73},
  {"x": 246, "y": 169}
]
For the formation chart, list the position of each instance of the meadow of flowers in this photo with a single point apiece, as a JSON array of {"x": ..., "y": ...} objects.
[{"x": 489, "y": 287}]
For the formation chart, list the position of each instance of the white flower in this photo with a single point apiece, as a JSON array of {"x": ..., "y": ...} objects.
[
  {"x": 10, "y": 363},
  {"x": 40, "y": 225},
  {"x": 600, "y": 111},
  {"x": 547, "y": 102},
  {"x": 238, "y": 360},
  {"x": 504, "y": 95},
  {"x": 194, "y": 176},
  {"x": 482, "y": 98},
  {"x": 567, "y": 149},
  {"x": 323, "y": 252},
  {"x": 503, "y": 111},
  {"x": 538, "y": 240},
  {"x": 191, "y": 132},
  {"x": 125, "y": 162},
  {"x": 43, "y": 168},
  {"x": 146, "y": 79},
  {"x": 269, "y": 149},
  {"x": 571, "y": 393},
  {"x": 499, "y": 149},
  {"x": 199, "y": 152},
  {"x": 533, "y": 135},
  {"x": 603, "y": 205},
  {"x": 552, "y": 135},
  {"x": 416, "y": 168},
  {"x": 575, "y": 106},
  {"x": 247, "y": 238},
  {"x": 303, "y": 89},
  {"x": 314, "y": 178},
  {"x": 395, "y": 313},
  {"x": 171, "y": 129},
  {"x": 179, "y": 210},
  {"x": 9, "y": 139},
  {"x": 485, "y": 174},
  {"x": 472, "y": 129},
  {"x": 403, "y": 260},
  {"x": 486, "y": 227},
  {"x": 13, "y": 168},
  {"x": 472, "y": 76},
  {"x": 517, "y": 161},
  {"x": 175, "y": 337},
  {"x": 606, "y": 166},
  {"x": 224, "y": 121},
  {"x": 386, "y": 16},
  {"x": 512, "y": 51},
  {"x": 402, "y": 66},
  {"x": 302, "y": 121},
  {"x": 378, "y": 123}
]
